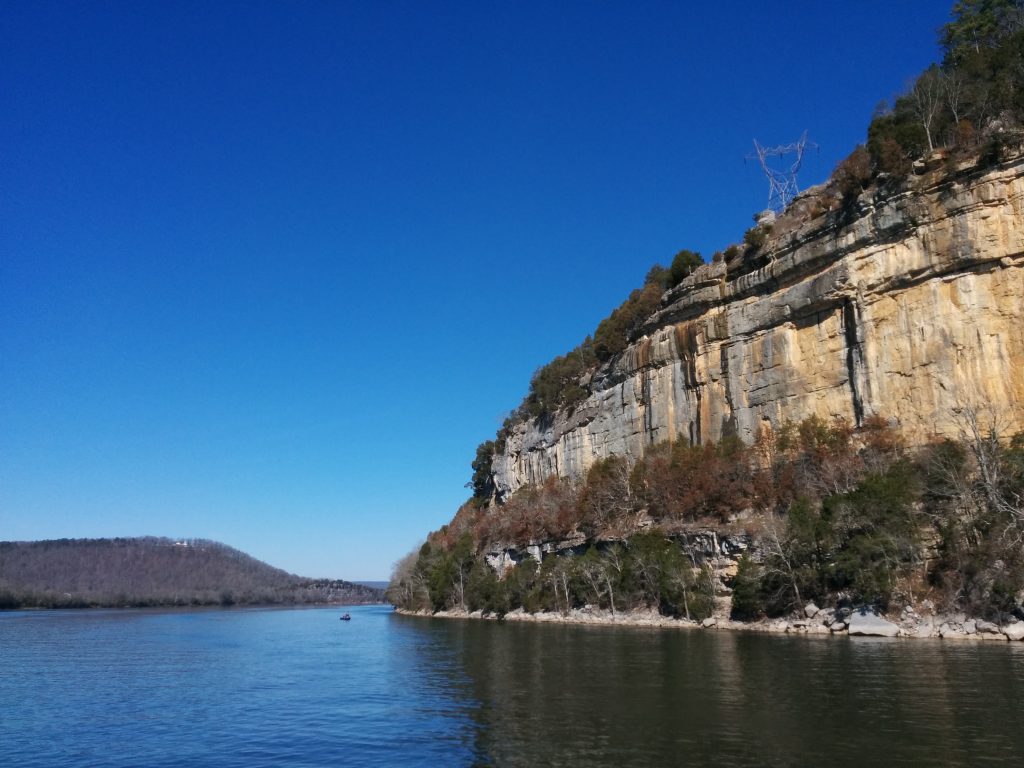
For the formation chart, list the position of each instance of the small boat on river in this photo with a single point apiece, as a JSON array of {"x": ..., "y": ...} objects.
[{"x": 346, "y": 617}]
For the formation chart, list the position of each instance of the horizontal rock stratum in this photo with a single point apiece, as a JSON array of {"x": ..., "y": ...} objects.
[{"x": 908, "y": 306}]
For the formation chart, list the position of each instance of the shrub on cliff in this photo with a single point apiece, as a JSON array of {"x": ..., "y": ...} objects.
[
  {"x": 683, "y": 264},
  {"x": 556, "y": 385},
  {"x": 755, "y": 238},
  {"x": 614, "y": 333},
  {"x": 853, "y": 174},
  {"x": 894, "y": 141}
]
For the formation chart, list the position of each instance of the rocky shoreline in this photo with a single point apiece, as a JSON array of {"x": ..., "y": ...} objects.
[{"x": 821, "y": 622}]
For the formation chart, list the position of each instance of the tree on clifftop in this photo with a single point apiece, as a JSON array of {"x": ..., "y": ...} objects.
[
  {"x": 980, "y": 24},
  {"x": 481, "y": 482}
]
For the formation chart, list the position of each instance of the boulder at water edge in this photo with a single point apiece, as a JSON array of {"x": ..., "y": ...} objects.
[
  {"x": 987, "y": 628},
  {"x": 1014, "y": 631},
  {"x": 867, "y": 623}
]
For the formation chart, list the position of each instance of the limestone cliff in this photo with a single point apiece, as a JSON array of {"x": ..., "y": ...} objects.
[{"x": 907, "y": 304}]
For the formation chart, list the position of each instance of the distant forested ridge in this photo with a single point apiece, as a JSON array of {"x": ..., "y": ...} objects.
[{"x": 140, "y": 572}]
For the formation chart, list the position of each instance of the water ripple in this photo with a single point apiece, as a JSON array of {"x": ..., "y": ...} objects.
[{"x": 259, "y": 688}]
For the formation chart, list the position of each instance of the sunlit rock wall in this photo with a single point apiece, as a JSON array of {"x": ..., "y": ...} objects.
[{"x": 912, "y": 310}]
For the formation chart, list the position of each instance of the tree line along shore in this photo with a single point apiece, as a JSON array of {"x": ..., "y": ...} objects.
[{"x": 819, "y": 515}]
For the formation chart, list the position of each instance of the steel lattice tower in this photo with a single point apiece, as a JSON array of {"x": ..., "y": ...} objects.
[{"x": 782, "y": 186}]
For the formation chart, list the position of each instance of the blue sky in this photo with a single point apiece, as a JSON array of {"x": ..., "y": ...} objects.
[{"x": 269, "y": 272}]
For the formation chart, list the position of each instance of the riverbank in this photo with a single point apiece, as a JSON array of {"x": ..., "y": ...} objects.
[{"x": 816, "y": 621}]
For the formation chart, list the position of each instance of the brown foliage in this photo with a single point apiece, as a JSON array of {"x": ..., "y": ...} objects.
[
  {"x": 534, "y": 513},
  {"x": 853, "y": 174},
  {"x": 892, "y": 158},
  {"x": 607, "y": 501},
  {"x": 684, "y": 483},
  {"x": 681, "y": 484}
]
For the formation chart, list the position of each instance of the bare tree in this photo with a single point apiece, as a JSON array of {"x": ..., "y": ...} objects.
[
  {"x": 609, "y": 499},
  {"x": 686, "y": 578},
  {"x": 406, "y": 586},
  {"x": 614, "y": 560},
  {"x": 981, "y": 429},
  {"x": 926, "y": 99},
  {"x": 649, "y": 564},
  {"x": 594, "y": 570},
  {"x": 779, "y": 556},
  {"x": 561, "y": 576},
  {"x": 953, "y": 87}
]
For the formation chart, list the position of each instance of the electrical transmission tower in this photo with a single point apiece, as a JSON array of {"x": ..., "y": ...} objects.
[{"x": 782, "y": 183}]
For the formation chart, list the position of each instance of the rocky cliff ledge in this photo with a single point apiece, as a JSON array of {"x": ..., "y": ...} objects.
[{"x": 907, "y": 305}]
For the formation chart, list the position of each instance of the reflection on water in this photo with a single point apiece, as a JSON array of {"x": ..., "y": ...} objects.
[
  {"x": 251, "y": 688},
  {"x": 565, "y": 695},
  {"x": 229, "y": 688}
]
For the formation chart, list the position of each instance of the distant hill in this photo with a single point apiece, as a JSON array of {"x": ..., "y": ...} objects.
[
  {"x": 138, "y": 572},
  {"x": 375, "y": 584}
]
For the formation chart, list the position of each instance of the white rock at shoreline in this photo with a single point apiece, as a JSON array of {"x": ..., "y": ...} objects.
[
  {"x": 1014, "y": 631},
  {"x": 865, "y": 623},
  {"x": 870, "y": 624}
]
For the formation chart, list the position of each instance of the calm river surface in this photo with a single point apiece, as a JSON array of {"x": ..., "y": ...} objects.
[{"x": 300, "y": 688}]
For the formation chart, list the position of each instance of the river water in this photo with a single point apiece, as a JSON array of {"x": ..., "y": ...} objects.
[{"x": 300, "y": 688}]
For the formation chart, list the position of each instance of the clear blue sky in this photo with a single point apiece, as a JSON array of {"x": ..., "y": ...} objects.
[{"x": 269, "y": 272}]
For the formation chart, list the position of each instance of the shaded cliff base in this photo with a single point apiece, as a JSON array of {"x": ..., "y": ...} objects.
[
  {"x": 821, "y": 622},
  {"x": 819, "y": 514}
]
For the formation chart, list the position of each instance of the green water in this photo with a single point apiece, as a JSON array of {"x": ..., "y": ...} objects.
[{"x": 570, "y": 695}]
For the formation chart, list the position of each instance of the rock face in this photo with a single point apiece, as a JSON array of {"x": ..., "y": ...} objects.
[
  {"x": 913, "y": 309},
  {"x": 721, "y": 551}
]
